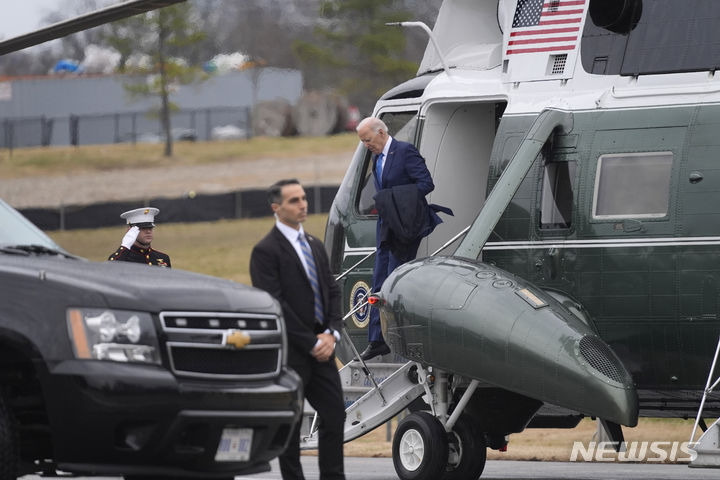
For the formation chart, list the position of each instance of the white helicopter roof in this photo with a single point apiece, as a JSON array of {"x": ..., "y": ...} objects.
[{"x": 528, "y": 51}]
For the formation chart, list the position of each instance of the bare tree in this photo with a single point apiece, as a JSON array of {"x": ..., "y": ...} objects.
[{"x": 158, "y": 34}]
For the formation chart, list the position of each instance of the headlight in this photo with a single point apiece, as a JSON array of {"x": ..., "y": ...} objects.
[{"x": 116, "y": 335}]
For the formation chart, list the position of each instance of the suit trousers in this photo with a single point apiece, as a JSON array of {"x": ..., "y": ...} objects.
[
  {"x": 323, "y": 390},
  {"x": 385, "y": 263}
]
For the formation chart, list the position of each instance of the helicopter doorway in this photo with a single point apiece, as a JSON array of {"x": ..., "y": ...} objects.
[{"x": 456, "y": 141}]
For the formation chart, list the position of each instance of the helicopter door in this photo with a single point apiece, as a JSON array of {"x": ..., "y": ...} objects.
[
  {"x": 350, "y": 234},
  {"x": 457, "y": 140}
]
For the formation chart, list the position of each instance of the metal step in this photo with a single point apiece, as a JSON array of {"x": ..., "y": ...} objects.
[
  {"x": 352, "y": 373},
  {"x": 707, "y": 448},
  {"x": 399, "y": 389},
  {"x": 355, "y": 383}
]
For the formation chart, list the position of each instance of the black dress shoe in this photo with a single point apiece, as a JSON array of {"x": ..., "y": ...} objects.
[{"x": 374, "y": 349}]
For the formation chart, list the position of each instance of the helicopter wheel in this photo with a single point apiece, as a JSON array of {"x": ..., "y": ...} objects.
[
  {"x": 420, "y": 447},
  {"x": 467, "y": 451}
]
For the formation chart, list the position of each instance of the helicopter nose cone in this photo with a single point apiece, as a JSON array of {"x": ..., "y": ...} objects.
[{"x": 481, "y": 322}]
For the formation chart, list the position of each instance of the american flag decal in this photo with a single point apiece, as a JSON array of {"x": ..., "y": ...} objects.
[{"x": 545, "y": 26}]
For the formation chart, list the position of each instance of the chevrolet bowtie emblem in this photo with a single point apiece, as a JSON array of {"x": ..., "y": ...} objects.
[{"x": 236, "y": 339}]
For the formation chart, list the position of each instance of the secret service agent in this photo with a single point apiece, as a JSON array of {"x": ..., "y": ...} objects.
[{"x": 135, "y": 246}]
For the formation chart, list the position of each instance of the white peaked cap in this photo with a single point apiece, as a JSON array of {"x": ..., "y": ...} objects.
[{"x": 142, "y": 217}]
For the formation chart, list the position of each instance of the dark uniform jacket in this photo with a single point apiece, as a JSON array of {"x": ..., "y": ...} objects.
[{"x": 148, "y": 256}]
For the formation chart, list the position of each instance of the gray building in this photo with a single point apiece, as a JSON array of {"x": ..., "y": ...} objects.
[{"x": 47, "y": 110}]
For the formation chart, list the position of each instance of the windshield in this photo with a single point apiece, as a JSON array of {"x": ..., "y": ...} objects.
[{"x": 17, "y": 230}]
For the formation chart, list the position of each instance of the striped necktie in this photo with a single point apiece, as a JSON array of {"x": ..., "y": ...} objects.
[{"x": 313, "y": 277}]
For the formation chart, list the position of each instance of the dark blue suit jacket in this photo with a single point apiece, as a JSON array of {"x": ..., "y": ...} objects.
[
  {"x": 407, "y": 217},
  {"x": 404, "y": 165}
]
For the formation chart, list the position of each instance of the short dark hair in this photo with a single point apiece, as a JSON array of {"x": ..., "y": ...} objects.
[{"x": 274, "y": 193}]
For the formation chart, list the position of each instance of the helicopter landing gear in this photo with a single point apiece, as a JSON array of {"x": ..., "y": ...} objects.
[
  {"x": 467, "y": 451},
  {"x": 430, "y": 446},
  {"x": 420, "y": 447}
]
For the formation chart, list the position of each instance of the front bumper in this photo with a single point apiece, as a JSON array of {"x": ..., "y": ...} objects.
[{"x": 110, "y": 418}]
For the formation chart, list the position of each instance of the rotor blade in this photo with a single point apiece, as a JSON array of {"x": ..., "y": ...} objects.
[{"x": 83, "y": 22}]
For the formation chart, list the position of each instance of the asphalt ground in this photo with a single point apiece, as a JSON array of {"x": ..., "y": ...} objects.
[{"x": 382, "y": 469}]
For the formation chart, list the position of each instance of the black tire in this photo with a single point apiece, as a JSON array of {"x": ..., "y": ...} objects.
[
  {"x": 9, "y": 452},
  {"x": 151, "y": 477},
  {"x": 468, "y": 451},
  {"x": 420, "y": 447}
]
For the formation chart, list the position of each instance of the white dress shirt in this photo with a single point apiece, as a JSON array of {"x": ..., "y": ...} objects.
[
  {"x": 385, "y": 151},
  {"x": 292, "y": 235}
]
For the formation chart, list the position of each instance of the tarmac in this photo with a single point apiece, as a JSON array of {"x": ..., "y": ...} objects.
[{"x": 382, "y": 469}]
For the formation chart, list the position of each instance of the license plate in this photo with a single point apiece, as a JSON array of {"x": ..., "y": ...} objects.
[{"x": 234, "y": 446}]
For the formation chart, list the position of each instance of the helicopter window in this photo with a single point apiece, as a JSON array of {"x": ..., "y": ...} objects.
[
  {"x": 632, "y": 185},
  {"x": 366, "y": 203},
  {"x": 557, "y": 195},
  {"x": 401, "y": 126}
]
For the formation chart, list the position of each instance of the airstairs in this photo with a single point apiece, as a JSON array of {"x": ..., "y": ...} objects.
[
  {"x": 367, "y": 407},
  {"x": 707, "y": 447},
  {"x": 373, "y": 392}
]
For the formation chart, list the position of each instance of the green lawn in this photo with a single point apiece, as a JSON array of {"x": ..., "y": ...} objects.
[
  {"x": 25, "y": 162},
  {"x": 220, "y": 248}
]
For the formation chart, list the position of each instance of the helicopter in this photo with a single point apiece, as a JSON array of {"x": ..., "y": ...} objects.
[{"x": 576, "y": 142}]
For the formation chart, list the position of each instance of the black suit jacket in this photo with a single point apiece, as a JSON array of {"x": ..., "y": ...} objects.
[{"x": 276, "y": 268}]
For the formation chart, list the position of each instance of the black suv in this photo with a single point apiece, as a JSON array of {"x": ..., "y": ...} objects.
[{"x": 123, "y": 369}]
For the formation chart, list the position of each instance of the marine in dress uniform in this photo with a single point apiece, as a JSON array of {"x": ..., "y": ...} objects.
[{"x": 135, "y": 246}]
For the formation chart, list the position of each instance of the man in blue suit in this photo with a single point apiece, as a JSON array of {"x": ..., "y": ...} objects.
[{"x": 395, "y": 164}]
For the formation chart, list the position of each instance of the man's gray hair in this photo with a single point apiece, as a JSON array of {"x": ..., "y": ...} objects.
[{"x": 374, "y": 123}]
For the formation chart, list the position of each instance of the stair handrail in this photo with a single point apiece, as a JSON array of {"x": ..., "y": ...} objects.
[
  {"x": 339, "y": 277},
  {"x": 362, "y": 302},
  {"x": 708, "y": 390}
]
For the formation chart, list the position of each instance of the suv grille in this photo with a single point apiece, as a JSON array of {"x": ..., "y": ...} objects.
[{"x": 201, "y": 344}]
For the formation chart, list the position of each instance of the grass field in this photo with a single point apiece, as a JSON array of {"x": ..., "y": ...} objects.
[
  {"x": 223, "y": 249},
  {"x": 26, "y": 162}
]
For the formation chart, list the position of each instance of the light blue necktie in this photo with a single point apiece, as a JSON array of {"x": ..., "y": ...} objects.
[
  {"x": 378, "y": 168},
  {"x": 313, "y": 277}
]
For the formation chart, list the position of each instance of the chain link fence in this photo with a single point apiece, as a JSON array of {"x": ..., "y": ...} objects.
[{"x": 196, "y": 124}]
